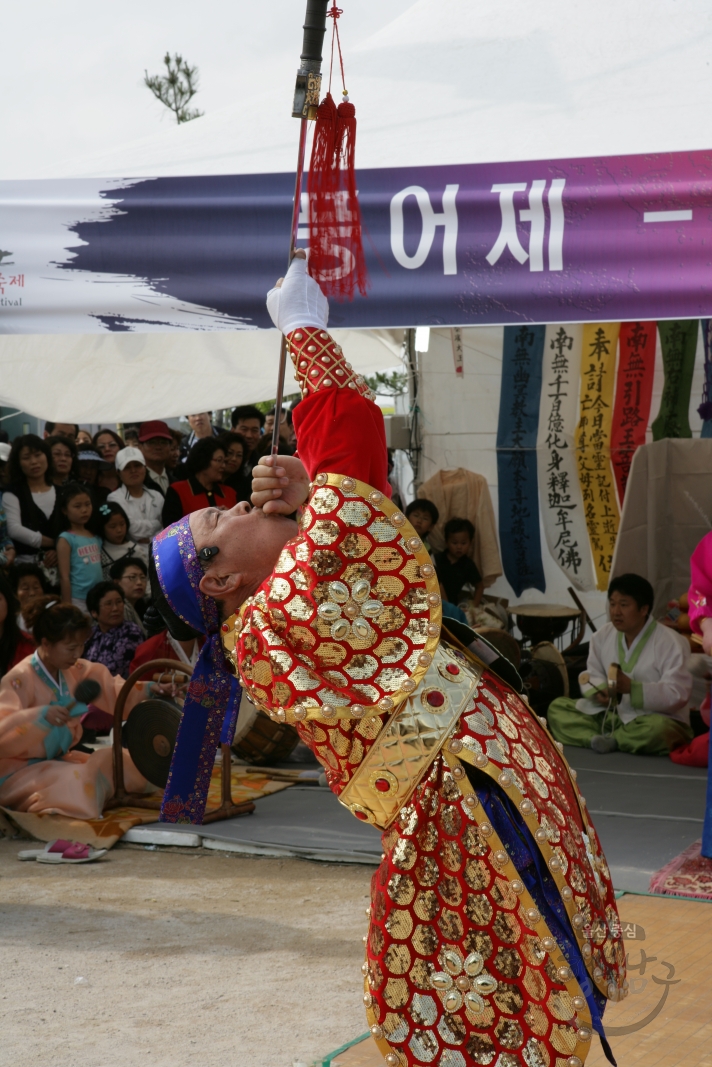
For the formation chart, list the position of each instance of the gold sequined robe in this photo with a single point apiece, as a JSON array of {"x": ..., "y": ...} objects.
[{"x": 345, "y": 640}]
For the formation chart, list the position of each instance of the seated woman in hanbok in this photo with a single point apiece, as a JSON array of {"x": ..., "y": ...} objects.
[{"x": 40, "y": 724}]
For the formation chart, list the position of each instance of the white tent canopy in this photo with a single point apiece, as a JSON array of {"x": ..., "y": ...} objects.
[
  {"x": 129, "y": 377},
  {"x": 444, "y": 81}
]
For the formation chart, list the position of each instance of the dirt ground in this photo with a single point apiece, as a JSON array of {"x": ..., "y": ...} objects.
[{"x": 190, "y": 956}]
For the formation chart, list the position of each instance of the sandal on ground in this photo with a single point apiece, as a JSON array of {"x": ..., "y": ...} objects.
[
  {"x": 76, "y": 852},
  {"x": 51, "y": 846}
]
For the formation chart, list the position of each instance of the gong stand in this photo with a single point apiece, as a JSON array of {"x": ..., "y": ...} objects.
[{"x": 227, "y": 809}]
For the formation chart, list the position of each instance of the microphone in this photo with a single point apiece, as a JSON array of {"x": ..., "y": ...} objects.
[{"x": 85, "y": 692}]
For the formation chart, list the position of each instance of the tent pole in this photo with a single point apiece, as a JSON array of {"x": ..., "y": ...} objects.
[
  {"x": 304, "y": 108},
  {"x": 413, "y": 389},
  {"x": 293, "y": 240}
]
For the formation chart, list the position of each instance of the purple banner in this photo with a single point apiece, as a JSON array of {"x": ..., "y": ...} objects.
[{"x": 586, "y": 240}]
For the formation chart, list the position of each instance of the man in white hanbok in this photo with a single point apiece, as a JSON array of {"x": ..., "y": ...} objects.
[{"x": 649, "y": 711}]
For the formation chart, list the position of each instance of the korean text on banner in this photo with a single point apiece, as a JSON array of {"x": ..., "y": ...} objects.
[
  {"x": 678, "y": 341},
  {"x": 593, "y": 443},
  {"x": 559, "y": 491},
  {"x": 449, "y": 245},
  {"x": 634, "y": 390},
  {"x": 516, "y": 457}
]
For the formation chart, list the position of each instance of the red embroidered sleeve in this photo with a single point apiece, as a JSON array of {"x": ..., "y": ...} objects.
[{"x": 339, "y": 428}]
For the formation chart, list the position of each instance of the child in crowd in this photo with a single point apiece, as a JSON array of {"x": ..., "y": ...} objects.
[
  {"x": 454, "y": 566},
  {"x": 112, "y": 525},
  {"x": 28, "y": 583},
  {"x": 113, "y": 640},
  {"x": 78, "y": 550},
  {"x": 423, "y": 516}
]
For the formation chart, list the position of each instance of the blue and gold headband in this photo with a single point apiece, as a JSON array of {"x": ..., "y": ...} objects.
[{"x": 213, "y": 697}]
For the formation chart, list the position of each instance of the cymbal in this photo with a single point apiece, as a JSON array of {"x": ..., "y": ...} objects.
[{"x": 150, "y": 734}]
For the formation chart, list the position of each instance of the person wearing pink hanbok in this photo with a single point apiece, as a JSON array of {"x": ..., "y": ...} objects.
[
  {"x": 40, "y": 725},
  {"x": 700, "y": 592},
  {"x": 699, "y": 596}
]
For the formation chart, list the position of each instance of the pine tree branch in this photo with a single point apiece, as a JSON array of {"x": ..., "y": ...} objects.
[{"x": 176, "y": 88}]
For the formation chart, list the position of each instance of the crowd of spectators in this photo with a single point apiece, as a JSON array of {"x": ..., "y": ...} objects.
[{"x": 78, "y": 513}]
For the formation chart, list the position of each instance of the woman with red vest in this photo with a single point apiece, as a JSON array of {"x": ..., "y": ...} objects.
[{"x": 203, "y": 485}]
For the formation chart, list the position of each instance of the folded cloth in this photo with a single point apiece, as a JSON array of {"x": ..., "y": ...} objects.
[{"x": 696, "y": 754}]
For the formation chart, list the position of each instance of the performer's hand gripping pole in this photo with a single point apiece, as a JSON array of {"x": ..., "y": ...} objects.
[{"x": 306, "y": 102}]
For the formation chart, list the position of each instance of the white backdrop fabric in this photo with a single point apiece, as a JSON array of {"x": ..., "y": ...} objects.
[
  {"x": 443, "y": 82},
  {"x": 128, "y": 377}
]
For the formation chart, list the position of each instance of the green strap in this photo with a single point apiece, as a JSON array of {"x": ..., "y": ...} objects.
[
  {"x": 628, "y": 660},
  {"x": 327, "y": 1060},
  {"x": 58, "y": 691},
  {"x": 636, "y": 695}
]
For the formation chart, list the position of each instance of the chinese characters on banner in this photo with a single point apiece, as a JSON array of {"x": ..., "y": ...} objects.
[
  {"x": 678, "y": 341},
  {"x": 593, "y": 443},
  {"x": 559, "y": 492},
  {"x": 634, "y": 390},
  {"x": 516, "y": 457},
  {"x": 458, "y": 353}
]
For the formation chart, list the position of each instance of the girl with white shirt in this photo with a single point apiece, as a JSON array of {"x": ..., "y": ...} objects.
[
  {"x": 142, "y": 506},
  {"x": 112, "y": 525},
  {"x": 31, "y": 501}
]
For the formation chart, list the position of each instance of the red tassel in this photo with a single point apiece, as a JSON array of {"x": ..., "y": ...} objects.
[{"x": 336, "y": 256}]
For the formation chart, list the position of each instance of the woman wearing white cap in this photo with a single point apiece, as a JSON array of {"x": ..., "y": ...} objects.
[{"x": 143, "y": 506}]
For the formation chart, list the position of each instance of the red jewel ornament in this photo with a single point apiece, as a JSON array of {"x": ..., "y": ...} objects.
[
  {"x": 382, "y": 785},
  {"x": 225, "y": 627},
  {"x": 452, "y": 668},
  {"x": 435, "y": 698},
  {"x": 361, "y": 815}
]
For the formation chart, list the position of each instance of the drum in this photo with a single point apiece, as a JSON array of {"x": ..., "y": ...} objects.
[
  {"x": 544, "y": 622},
  {"x": 505, "y": 644},
  {"x": 545, "y": 676},
  {"x": 261, "y": 741}
]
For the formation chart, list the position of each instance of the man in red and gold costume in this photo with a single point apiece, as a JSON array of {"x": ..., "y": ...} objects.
[{"x": 494, "y": 936}]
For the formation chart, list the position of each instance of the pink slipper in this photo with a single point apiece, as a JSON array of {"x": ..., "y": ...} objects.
[
  {"x": 51, "y": 846},
  {"x": 75, "y": 852}
]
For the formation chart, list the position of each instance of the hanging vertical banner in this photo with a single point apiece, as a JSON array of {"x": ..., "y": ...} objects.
[
  {"x": 678, "y": 340},
  {"x": 634, "y": 390},
  {"x": 458, "y": 353},
  {"x": 516, "y": 457},
  {"x": 593, "y": 443},
  {"x": 705, "y": 408},
  {"x": 560, "y": 498}
]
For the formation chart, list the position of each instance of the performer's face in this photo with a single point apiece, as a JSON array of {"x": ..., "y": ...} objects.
[
  {"x": 625, "y": 614},
  {"x": 250, "y": 543}
]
